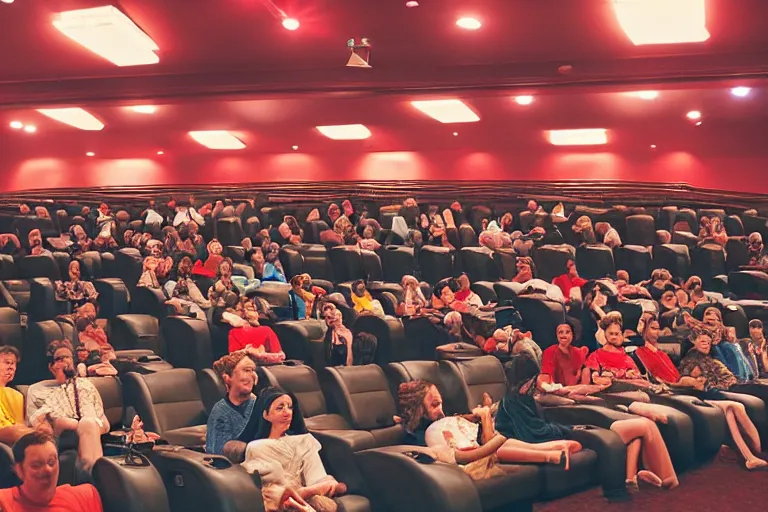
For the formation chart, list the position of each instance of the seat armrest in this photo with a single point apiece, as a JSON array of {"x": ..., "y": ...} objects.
[
  {"x": 403, "y": 484},
  {"x": 339, "y": 448},
  {"x": 611, "y": 457}
]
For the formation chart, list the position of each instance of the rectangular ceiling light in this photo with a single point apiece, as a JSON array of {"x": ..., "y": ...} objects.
[
  {"x": 345, "y": 131},
  {"x": 662, "y": 21},
  {"x": 581, "y": 137},
  {"x": 109, "y": 33},
  {"x": 447, "y": 111},
  {"x": 76, "y": 117},
  {"x": 217, "y": 139}
]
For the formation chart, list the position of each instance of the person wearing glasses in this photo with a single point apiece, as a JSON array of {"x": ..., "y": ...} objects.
[
  {"x": 68, "y": 403},
  {"x": 37, "y": 466}
]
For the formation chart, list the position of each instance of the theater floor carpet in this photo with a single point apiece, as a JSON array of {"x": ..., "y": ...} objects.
[{"x": 720, "y": 485}]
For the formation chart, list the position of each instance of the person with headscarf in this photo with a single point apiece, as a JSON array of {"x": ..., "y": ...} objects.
[
  {"x": 334, "y": 212},
  {"x": 80, "y": 241},
  {"x": 287, "y": 457},
  {"x": 413, "y": 297},
  {"x": 757, "y": 254},
  {"x": 302, "y": 296},
  {"x": 570, "y": 280},
  {"x": 184, "y": 293},
  {"x": 399, "y": 232},
  {"x": 756, "y": 348}
]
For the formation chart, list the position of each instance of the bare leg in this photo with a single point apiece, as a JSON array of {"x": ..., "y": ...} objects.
[
  {"x": 89, "y": 442},
  {"x": 726, "y": 406},
  {"x": 746, "y": 425},
  {"x": 633, "y": 460},
  {"x": 513, "y": 453},
  {"x": 656, "y": 460},
  {"x": 650, "y": 411}
]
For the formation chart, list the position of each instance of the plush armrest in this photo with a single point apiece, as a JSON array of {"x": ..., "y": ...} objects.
[
  {"x": 339, "y": 448},
  {"x": 402, "y": 484},
  {"x": 598, "y": 416},
  {"x": 710, "y": 429},
  {"x": 611, "y": 456}
]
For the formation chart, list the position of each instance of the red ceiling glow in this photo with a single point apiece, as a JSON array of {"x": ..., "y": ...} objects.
[
  {"x": 579, "y": 137},
  {"x": 109, "y": 33},
  {"x": 662, "y": 21}
]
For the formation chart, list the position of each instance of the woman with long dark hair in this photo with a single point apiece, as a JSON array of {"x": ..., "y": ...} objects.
[{"x": 287, "y": 457}]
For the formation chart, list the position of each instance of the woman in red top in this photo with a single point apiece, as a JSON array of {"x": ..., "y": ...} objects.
[
  {"x": 569, "y": 280},
  {"x": 659, "y": 366}
]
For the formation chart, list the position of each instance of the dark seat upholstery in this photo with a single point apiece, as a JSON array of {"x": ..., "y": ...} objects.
[
  {"x": 170, "y": 404},
  {"x": 436, "y": 263},
  {"x": 636, "y": 260},
  {"x": 148, "y": 301},
  {"x": 506, "y": 261},
  {"x": 302, "y": 340},
  {"x": 749, "y": 284},
  {"x": 38, "y": 266},
  {"x": 128, "y": 266},
  {"x": 129, "y": 488},
  {"x": 347, "y": 263},
  {"x": 229, "y": 231},
  {"x": 306, "y": 258},
  {"x": 541, "y": 316},
  {"x": 478, "y": 263},
  {"x": 302, "y": 381},
  {"x": 734, "y": 226},
  {"x": 113, "y": 297},
  {"x": 737, "y": 253},
  {"x": 111, "y": 392},
  {"x": 199, "y": 481},
  {"x": 390, "y": 335},
  {"x": 8, "y": 269},
  {"x": 595, "y": 261},
  {"x": 397, "y": 261},
  {"x": 484, "y": 290},
  {"x": 641, "y": 230},
  {"x": 551, "y": 260},
  {"x": 10, "y": 328},
  {"x": 187, "y": 342},
  {"x": 707, "y": 262},
  {"x": 135, "y": 332},
  {"x": 90, "y": 265},
  {"x": 673, "y": 257}
]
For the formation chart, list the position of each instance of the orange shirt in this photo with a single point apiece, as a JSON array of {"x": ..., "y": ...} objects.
[{"x": 82, "y": 498}]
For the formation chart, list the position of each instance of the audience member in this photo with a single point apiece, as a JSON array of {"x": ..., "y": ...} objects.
[
  {"x": 37, "y": 466},
  {"x": 12, "y": 425}
]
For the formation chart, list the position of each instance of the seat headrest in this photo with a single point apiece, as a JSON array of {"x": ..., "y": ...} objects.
[{"x": 363, "y": 394}]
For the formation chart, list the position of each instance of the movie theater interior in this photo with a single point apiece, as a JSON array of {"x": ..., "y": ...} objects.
[{"x": 383, "y": 255}]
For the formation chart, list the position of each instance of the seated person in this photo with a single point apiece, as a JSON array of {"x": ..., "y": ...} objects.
[
  {"x": 338, "y": 339},
  {"x": 758, "y": 257},
  {"x": 79, "y": 239},
  {"x": 302, "y": 296},
  {"x": 287, "y": 457},
  {"x": 260, "y": 342},
  {"x": 230, "y": 415},
  {"x": 212, "y": 262},
  {"x": 518, "y": 417},
  {"x": 607, "y": 235},
  {"x": 223, "y": 284},
  {"x": 75, "y": 291},
  {"x": 90, "y": 334},
  {"x": 525, "y": 270},
  {"x": 756, "y": 348},
  {"x": 570, "y": 281},
  {"x": 12, "y": 425},
  {"x": 444, "y": 296},
  {"x": 9, "y": 244},
  {"x": 465, "y": 294},
  {"x": 35, "y": 240},
  {"x": 713, "y": 377},
  {"x": 368, "y": 240},
  {"x": 96, "y": 363},
  {"x": 471, "y": 438},
  {"x": 37, "y": 466},
  {"x": 413, "y": 297},
  {"x": 72, "y": 403},
  {"x": 725, "y": 347},
  {"x": 362, "y": 300},
  {"x": 184, "y": 293},
  {"x": 563, "y": 368},
  {"x": 273, "y": 269},
  {"x": 513, "y": 342}
]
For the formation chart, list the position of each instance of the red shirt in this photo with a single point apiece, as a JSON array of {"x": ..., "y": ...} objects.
[
  {"x": 658, "y": 364},
  {"x": 563, "y": 368},
  {"x": 618, "y": 363},
  {"x": 256, "y": 337},
  {"x": 82, "y": 498},
  {"x": 566, "y": 282}
]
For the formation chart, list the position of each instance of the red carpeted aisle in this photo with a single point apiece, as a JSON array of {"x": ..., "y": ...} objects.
[{"x": 721, "y": 485}]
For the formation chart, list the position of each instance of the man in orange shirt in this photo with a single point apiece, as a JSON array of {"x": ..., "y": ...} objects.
[{"x": 37, "y": 465}]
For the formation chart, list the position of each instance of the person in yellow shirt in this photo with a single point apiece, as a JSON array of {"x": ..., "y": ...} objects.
[{"x": 12, "y": 425}]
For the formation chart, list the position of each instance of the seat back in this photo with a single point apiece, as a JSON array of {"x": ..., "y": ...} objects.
[
  {"x": 187, "y": 342},
  {"x": 361, "y": 395},
  {"x": 466, "y": 381},
  {"x": 212, "y": 388},
  {"x": 407, "y": 371},
  {"x": 734, "y": 226},
  {"x": 129, "y": 488},
  {"x": 111, "y": 391},
  {"x": 302, "y": 340},
  {"x": 479, "y": 264},
  {"x": 436, "y": 263},
  {"x": 316, "y": 261},
  {"x": 397, "y": 261},
  {"x": 673, "y": 257},
  {"x": 595, "y": 261},
  {"x": 135, "y": 332},
  {"x": 90, "y": 265},
  {"x": 541, "y": 316},
  {"x": 551, "y": 261},
  {"x": 636, "y": 260},
  {"x": 390, "y": 335},
  {"x": 8, "y": 269},
  {"x": 114, "y": 299},
  {"x": 737, "y": 253},
  {"x": 302, "y": 382},
  {"x": 229, "y": 231},
  {"x": 371, "y": 265},
  {"x": 506, "y": 262},
  {"x": 165, "y": 400},
  {"x": 641, "y": 230},
  {"x": 128, "y": 266},
  {"x": 39, "y": 266},
  {"x": 707, "y": 262},
  {"x": 347, "y": 263}
]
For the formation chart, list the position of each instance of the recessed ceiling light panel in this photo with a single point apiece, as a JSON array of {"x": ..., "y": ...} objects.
[
  {"x": 644, "y": 95},
  {"x": 217, "y": 139},
  {"x": 524, "y": 100},
  {"x": 469, "y": 23},
  {"x": 76, "y": 117},
  {"x": 580, "y": 137},
  {"x": 662, "y": 21},
  {"x": 144, "y": 109},
  {"x": 109, "y": 33},
  {"x": 693, "y": 115},
  {"x": 447, "y": 111},
  {"x": 741, "y": 92},
  {"x": 345, "y": 131}
]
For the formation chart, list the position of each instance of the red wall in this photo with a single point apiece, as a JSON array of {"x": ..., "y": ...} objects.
[{"x": 735, "y": 173}]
